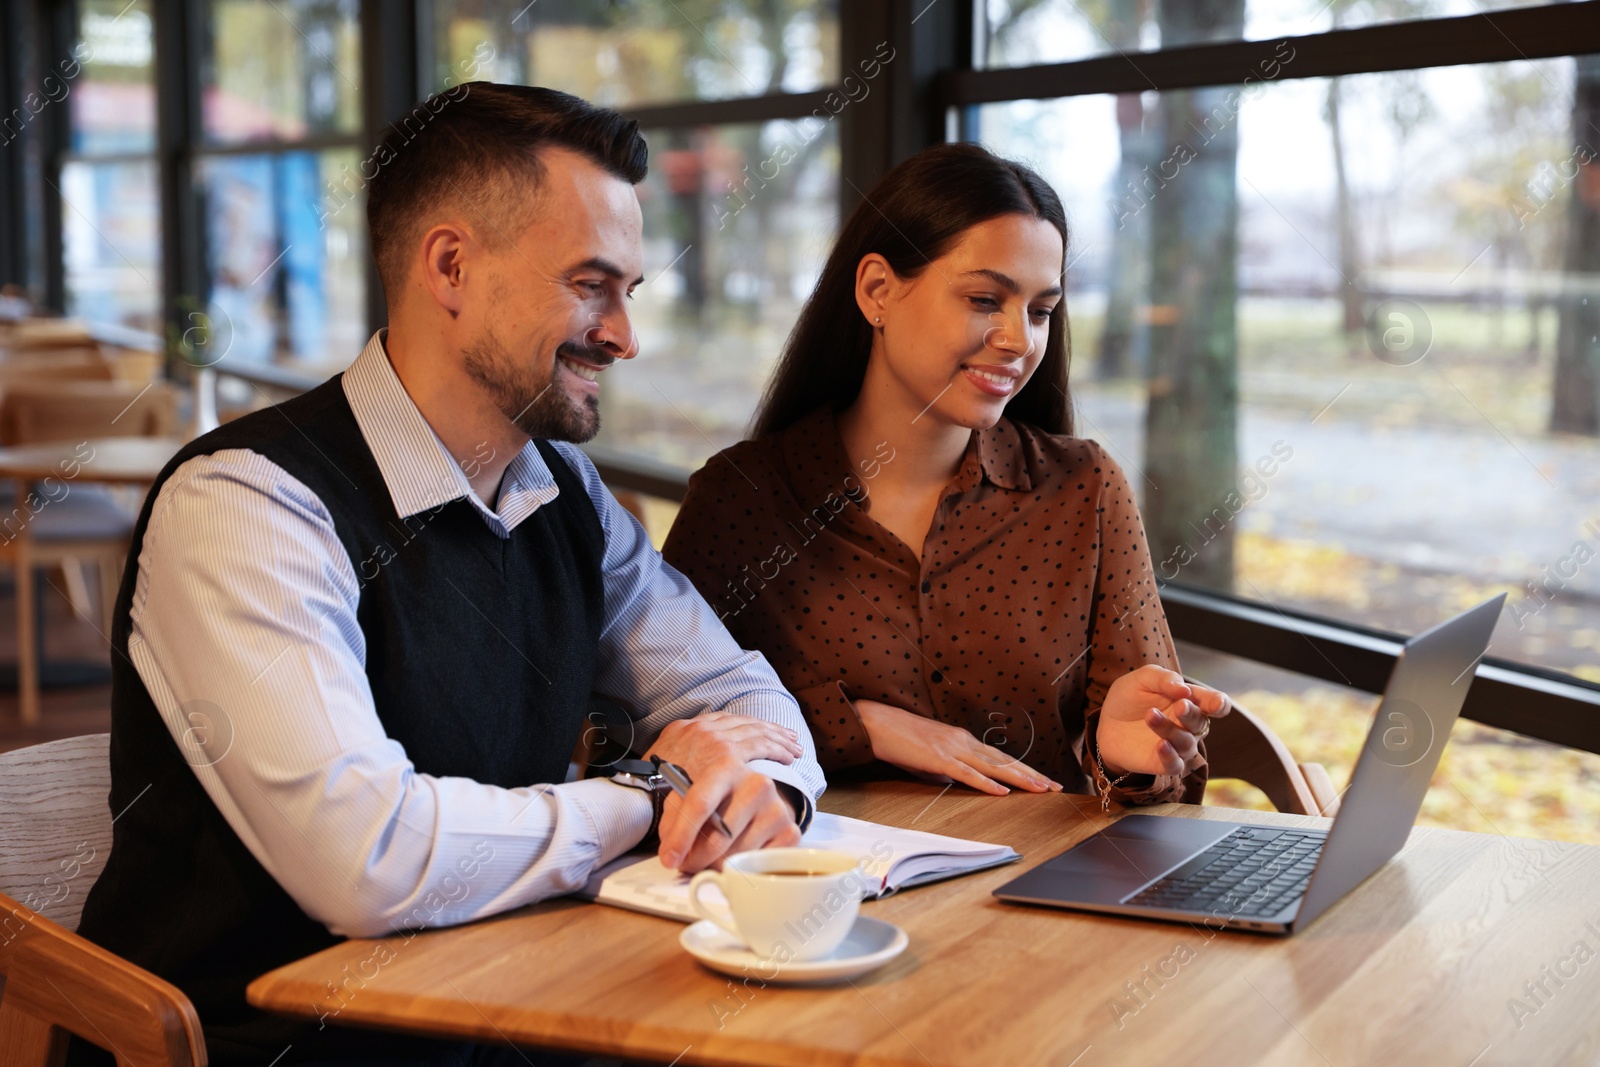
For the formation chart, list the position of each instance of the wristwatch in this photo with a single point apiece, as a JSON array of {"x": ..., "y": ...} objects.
[{"x": 645, "y": 774}]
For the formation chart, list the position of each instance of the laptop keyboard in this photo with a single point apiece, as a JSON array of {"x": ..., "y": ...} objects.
[{"x": 1253, "y": 871}]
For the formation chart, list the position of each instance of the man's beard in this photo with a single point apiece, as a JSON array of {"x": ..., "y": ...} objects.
[{"x": 538, "y": 406}]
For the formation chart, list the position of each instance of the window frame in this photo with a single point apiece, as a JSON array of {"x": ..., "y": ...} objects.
[{"x": 1534, "y": 702}]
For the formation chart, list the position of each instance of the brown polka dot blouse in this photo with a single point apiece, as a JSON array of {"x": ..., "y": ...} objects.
[{"x": 1033, "y": 594}]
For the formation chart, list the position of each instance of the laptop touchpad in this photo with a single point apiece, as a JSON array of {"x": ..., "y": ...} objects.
[{"x": 1108, "y": 869}]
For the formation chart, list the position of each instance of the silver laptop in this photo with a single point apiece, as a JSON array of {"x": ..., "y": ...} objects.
[{"x": 1273, "y": 879}]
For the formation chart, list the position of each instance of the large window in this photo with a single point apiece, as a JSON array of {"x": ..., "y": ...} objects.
[
  {"x": 278, "y": 71},
  {"x": 1378, "y": 276},
  {"x": 271, "y": 235},
  {"x": 110, "y": 196},
  {"x": 645, "y": 51},
  {"x": 728, "y": 262},
  {"x": 738, "y": 217},
  {"x": 1344, "y": 335},
  {"x": 1023, "y": 32},
  {"x": 284, "y": 224}
]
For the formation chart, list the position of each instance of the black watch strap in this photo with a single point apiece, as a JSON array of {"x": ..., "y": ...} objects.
[{"x": 646, "y": 775}]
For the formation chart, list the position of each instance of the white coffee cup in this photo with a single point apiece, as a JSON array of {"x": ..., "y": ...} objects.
[{"x": 786, "y": 903}]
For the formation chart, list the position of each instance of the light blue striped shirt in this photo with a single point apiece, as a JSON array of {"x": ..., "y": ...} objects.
[{"x": 245, "y": 634}]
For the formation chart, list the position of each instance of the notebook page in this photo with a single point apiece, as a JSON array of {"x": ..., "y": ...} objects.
[{"x": 891, "y": 856}]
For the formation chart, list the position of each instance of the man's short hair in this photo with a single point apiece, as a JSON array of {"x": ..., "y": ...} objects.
[{"x": 476, "y": 147}]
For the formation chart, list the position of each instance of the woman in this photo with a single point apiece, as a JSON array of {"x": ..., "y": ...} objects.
[{"x": 947, "y": 580}]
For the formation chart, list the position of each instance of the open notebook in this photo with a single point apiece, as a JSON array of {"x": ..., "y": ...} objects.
[{"x": 895, "y": 858}]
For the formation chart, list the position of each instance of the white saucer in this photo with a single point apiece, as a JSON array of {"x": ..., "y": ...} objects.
[{"x": 870, "y": 944}]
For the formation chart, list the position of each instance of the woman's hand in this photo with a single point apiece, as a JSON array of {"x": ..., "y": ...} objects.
[
  {"x": 1149, "y": 721},
  {"x": 700, "y": 740},
  {"x": 924, "y": 746}
]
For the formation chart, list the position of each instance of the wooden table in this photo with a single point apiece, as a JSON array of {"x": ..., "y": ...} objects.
[{"x": 1425, "y": 963}]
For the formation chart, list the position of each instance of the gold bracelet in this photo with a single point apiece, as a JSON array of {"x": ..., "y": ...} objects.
[{"x": 1102, "y": 784}]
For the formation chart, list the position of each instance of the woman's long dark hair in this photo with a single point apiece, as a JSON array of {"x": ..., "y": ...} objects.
[{"x": 914, "y": 215}]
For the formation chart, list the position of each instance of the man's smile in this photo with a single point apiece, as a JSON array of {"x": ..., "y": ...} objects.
[{"x": 587, "y": 371}]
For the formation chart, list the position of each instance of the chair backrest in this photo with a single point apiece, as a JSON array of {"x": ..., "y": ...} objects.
[
  {"x": 55, "y": 835},
  {"x": 55, "y": 826},
  {"x": 1241, "y": 746},
  {"x": 33, "y": 412},
  {"x": 57, "y": 983}
]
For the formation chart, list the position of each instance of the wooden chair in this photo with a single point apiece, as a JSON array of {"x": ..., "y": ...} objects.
[
  {"x": 1241, "y": 746},
  {"x": 86, "y": 523},
  {"x": 55, "y": 835}
]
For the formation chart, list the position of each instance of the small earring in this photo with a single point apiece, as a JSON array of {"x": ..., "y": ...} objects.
[{"x": 878, "y": 319}]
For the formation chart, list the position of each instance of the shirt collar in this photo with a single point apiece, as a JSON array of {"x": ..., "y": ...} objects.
[
  {"x": 417, "y": 469},
  {"x": 1001, "y": 455}
]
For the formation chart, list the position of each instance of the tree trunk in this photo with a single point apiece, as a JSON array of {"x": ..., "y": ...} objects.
[
  {"x": 1576, "y": 406},
  {"x": 683, "y": 160},
  {"x": 1191, "y": 424},
  {"x": 772, "y": 17},
  {"x": 1122, "y": 347},
  {"x": 1350, "y": 296}
]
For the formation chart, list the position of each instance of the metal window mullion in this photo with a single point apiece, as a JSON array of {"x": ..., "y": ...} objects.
[
  {"x": 316, "y": 143},
  {"x": 1494, "y": 37},
  {"x": 13, "y": 173},
  {"x": 106, "y": 158},
  {"x": 901, "y": 114},
  {"x": 177, "y": 26},
  {"x": 57, "y": 30},
  {"x": 745, "y": 109},
  {"x": 1532, "y": 702},
  {"x": 391, "y": 85}
]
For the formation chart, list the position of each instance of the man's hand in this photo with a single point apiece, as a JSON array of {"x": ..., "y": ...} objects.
[
  {"x": 1149, "y": 721},
  {"x": 755, "y": 812},
  {"x": 926, "y": 747},
  {"x": 715, "y": 748}
]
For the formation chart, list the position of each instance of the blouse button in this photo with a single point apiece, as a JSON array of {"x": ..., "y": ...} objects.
[
  {"x": 927, "y": 587},
  {"x": 936, "y": 677}
]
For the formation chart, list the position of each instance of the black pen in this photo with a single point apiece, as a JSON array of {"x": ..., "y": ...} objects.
[{"x": 680, "y": 781}]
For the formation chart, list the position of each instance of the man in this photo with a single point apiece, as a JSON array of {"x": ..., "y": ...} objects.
[{"x": 359, "y": 632}]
